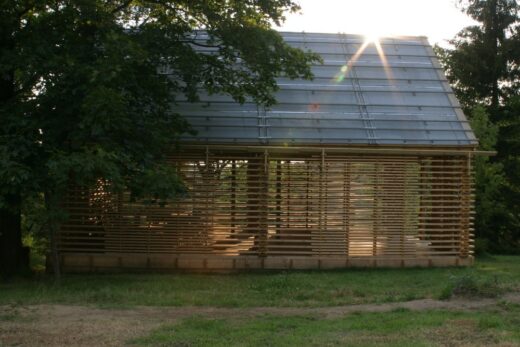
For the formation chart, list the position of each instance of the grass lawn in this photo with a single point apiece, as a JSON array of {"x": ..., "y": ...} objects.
[
  {"x": 108, "y": 310},
  {"x": 396, "y": 328},
  {"x": 291, "y": 289}
]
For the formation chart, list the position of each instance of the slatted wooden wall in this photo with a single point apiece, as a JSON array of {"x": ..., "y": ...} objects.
[{"x": 287, "y": 205}]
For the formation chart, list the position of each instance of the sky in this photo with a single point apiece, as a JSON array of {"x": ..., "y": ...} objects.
[{"x": 439, "y": 20}]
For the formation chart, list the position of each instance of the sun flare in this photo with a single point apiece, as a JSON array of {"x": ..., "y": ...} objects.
[{"x": 372, "y": 37}]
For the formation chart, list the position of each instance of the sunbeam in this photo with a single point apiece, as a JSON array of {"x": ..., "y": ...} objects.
[
  {"x": 340, "y": 76},
  {"x": 384, "y": 61},
  {"x": 369, "y": 40}
]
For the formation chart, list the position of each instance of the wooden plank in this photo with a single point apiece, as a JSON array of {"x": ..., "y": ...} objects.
[
  {"x": 264, "y": 204},
  {"x": 105, "y": 263}
]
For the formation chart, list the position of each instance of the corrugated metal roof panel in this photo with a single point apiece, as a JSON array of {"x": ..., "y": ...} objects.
[{"x": 358, "y": 96}]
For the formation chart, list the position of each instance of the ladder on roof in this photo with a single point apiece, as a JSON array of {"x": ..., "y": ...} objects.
[
  {"x": 262, "y": 124},
  {"x": 358, "y": 94}
]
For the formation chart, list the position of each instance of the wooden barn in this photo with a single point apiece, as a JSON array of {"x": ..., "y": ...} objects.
[{"x": 369, "y": 164}]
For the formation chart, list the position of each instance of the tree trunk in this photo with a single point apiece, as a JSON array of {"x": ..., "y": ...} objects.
[
  {"x": 496, "y": 33},
  {"x": 13, "y": 257},
  {"x": 51, "y": 207},
  {"x": 56, "y": 266}
]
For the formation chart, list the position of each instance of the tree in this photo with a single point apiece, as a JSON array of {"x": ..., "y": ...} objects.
[
  {"x": 490, "y": 205},
  {"x": 483, "y": 66},
  {"x": 86, "y": 101},
  {"x": 508, "y": 148}
]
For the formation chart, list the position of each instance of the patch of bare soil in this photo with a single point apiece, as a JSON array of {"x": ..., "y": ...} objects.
[{"x": 66, "y": 325}]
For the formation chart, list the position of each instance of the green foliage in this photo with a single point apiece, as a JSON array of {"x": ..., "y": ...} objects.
[
  {"x": 472, "y": 286},
  {"x": 490, "y": 182},
  {"x": 483, "y": 66},
  {"x": 33, "y": 225},
  {"x": 395, "y": 328},
  {"x": 83, "y": 99},
  {"x": 509, "y": 156},
  {"x": 288, "y": 289},
  {"x": 485, "y": 131}
]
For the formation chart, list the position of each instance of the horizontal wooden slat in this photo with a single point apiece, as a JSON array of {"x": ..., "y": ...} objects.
[{"x": 287, "y": 204}]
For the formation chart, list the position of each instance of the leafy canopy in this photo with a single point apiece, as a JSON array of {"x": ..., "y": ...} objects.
[
  {"x": 84, "y": 97},
  {"x": 483, "y": 66}
]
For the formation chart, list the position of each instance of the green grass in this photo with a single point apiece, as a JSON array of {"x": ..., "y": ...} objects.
[
  {"x": 396, "y": 328},
  {"x": 295, "y": 288}
]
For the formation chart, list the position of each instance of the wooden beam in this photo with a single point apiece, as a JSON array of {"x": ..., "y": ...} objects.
[{"x": 295, "y": 204}]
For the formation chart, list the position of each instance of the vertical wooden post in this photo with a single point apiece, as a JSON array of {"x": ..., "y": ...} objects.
[
  {"x": 278, "y": 196},
  {"x": 465, "y": 207},
  {"x": 252, "y": 198},
  {"x": 325, "y": 194},
  {"x": 427, "y": 212},
  {"x": 307, "y": 198},
  {"x": 288, "y": 199},
  {"x": 451, "y": 200},
  {"x": 264, "y": 206},
  {"x": 437, "y": 204},
  {"x": 376, "y": 215},
  {"x": 321, "y": 207},
  {"x": 233, "y": 195},
  {"x": 257, "y": 204},
  {"x": 422, "y": 210},
  {"x": 206, "y": 185},
  {"x": 404, "y": 211},
  {"x": 346, "y": 205},
  {"x": 119, "y": 219}
]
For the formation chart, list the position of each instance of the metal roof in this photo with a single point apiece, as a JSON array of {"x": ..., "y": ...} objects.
[{"x": 393, "y": 92}]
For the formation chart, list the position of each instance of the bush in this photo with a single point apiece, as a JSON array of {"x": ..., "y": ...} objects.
[
  {"x": 481, "y": 246},
  {"x": 470, "y": 286}
]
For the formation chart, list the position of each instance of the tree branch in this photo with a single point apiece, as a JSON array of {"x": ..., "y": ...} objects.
[
  {"x": 29, "y": 6},
  {"x": 199, "y": 44},
  {"x": 122, "y": 6}
]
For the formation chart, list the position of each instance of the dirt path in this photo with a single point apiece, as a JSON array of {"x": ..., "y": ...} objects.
[{"x": 66, "y": 325}]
